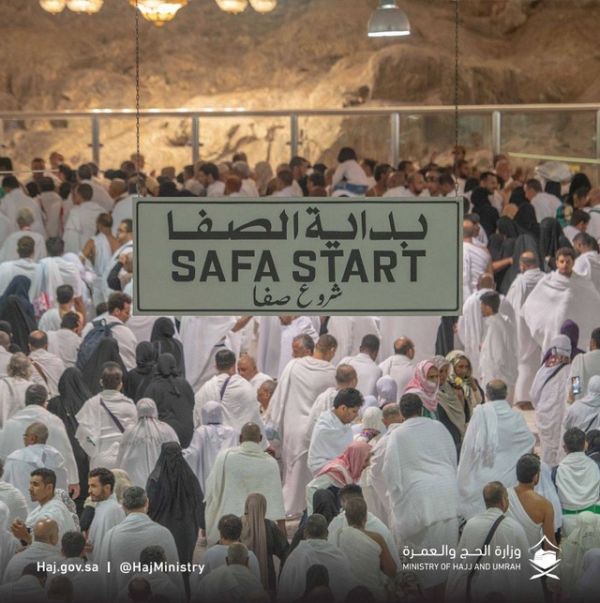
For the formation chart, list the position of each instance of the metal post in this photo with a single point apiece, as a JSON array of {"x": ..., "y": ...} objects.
[
  {"x": 96, "y": 145},
  {"x": 395, "y": 138},
  {"x": 294, "y": 134},
  {"x": 496, "y": 132},
  {"x": 195, "y": 139},
  {"x": 597, "y": 146}
]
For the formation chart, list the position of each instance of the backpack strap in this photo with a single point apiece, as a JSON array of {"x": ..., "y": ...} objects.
[
  {"x": 223, "y": 388},
  {"x": 39, "y": 369},
  {"x": 112, "y": 416}
]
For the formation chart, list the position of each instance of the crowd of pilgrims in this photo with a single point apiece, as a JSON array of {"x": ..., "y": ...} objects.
[{"x": 298, "y": 458}]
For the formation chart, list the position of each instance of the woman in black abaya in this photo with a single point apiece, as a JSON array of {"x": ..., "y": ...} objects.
[
  {"x": 17, "y": 310},
  {"x": 140, "y": 377},
  {"x": 175, "y": 500},
  {"x": 163, "y": 339},
  {"x": 72, "y": 393},
  {"x": 174, "y": 398},
  {"x": 106, "y": 351}
]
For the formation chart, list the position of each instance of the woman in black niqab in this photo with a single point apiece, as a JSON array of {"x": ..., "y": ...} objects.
[
  {"x": 174, "y": 398},
  {"x": 175, "y": 499},
  {"x": 488, "y": 214},
  {"x": 17, "y": 310},
  {"x": 140, "y": 377},
  {"x": 106, "y": 351},
  {"x": 72, "y": 394},
  {"x": 163, "y": 339},
  {"x": 552, "y": 239}
]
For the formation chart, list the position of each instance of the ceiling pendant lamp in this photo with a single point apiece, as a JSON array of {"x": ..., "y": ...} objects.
[
  {"x": 53, "y": 6},
  {"x": 232, "y": 6},
  {"x": 388, "y": 21},
  {"x": 158, "y": 12},
  {"x": 263, "y": 6},
  {"x": 85, "y": 6}
]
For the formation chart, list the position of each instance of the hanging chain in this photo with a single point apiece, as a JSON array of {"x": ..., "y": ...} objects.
[
  {"x": 137, "y": 98},
  {"x": 456, "y": 68}
]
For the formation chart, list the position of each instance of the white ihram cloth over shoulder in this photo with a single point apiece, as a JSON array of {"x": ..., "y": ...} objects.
[
  {"x": 329, "y": 439},
  {"x": 5, "y": 357},
  {"x": 289, "y": 410},
  {"x": 238, "y": 400},
  {"x": 236, "y": 473},
  {"x": 578, "y": 482},
  {"x": 268, "y": 345},
  {"x": 57, "y": 271},
  {"x": 229, "y": 584},
  {"x": 476, "y": 261},
  {"x": 349, "y": 331},
  {"x": 107, "y": 514},
  {"x": 373, "y": 479},
  {"x": 557, "y": 298},
  {"x": 15, "y": 501},
  {"x": 470, "y": 326},
  {"x": 401, "y": 369},
  {"x": 421, "y": 330},
  {"x": 367, "y": 372},
  {"x": 65, "y": 344},
  {"x": 512, "y": 585},
  {"x": 533, "y": 531},
  {"x": 323, "y": 402},
  {"x": 588, "y": 265},
  {"x": 585, "y": 413},
  {"x": 11, "y": 438},
  {"x": 363, "y": 554},
  {"x": 549, "y": 394},
  {"x": 496, "y": 438},
  {"x": 52, "y": 368},
  {"x": 8, "y": 543},
  {"x": 80, "y": 226},
  {"x": 20, "y": 463},
  {"x": 292, "y": 582},
  {"x": 12, "y": 397},
  {"x": 202, "y": 337},
  {"x": 208, "y": 440},
  {"x": 529, "y": 352},
  {"x": 141, "y": 443},
  {"x": 35, "y": 552},
  {"x": 14, "y": 201},
  {"x": 26, "y": 267},
  {"x": 54, "y": 509},
  {"x": 374, "y": 524},
  {"x": 498, "y": 359},
  {"x": 420, "y": 469},
  {"x": 97, "y": 433},
  {"x": 301, "y": 325},
  {"x": 126, "y": 541},
  {"x": 8, "y": 251}
]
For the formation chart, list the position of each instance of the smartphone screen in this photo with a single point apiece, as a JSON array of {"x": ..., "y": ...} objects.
[{"x": 575, "y": 385}]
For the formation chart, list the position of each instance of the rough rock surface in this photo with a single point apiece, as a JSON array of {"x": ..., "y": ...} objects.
[{"x": 308, "y": 54}]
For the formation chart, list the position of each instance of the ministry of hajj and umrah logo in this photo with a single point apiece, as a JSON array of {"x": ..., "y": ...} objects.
[{"x": 544, "y": 560}]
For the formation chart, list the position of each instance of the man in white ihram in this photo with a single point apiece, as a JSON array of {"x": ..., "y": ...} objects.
[
  {"x": 401, "y": 365},
  {"x": 47, "y": 367},
  {"x": 496, "y": 438},
  {"x": 367, "y": 371},
  {"x": 420, "y": 469}
]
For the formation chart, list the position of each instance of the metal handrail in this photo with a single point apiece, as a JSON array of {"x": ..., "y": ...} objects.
[{"x": 393, "y": 112}]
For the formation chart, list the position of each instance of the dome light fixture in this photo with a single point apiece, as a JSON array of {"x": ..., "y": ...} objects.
[
  {"x": 388, "y": 21},
  {"x": 53, "y": 6},
  {"x": 158, "y": 12},
  {"x": 232, "y": 6},
  {"x": 85, "y": 6},
  {"x": 263, "y": 6}
]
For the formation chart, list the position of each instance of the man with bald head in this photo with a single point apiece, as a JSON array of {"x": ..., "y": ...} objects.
[
  {"x": 289, "y": 412},
  {"x": 238, "y": 472},
  {"x": 476, "y": 260},
  {"x": 48, "y": 367},
  {"x": 42, "y": 549},
  {"x": 36, "y": 413},
  {"x": 35, "y": 454},
  {"x": 528, "y": 351},
  {"x": 493, "y": 527},
  {"x": 42, "y": 490},
  {"x": 401, "y": 365},
  {"x": 246, "y": 367}
]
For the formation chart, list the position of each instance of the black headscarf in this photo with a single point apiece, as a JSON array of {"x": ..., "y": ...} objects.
[
  {"x": 106, "y": 351},
  {"x": 552, "y": 239},
  {"x": 526, "y": 220},
  {"x": 72, "y": 394},
  {"x": 524, "y": 242},
  {"x": 139, "y": 378},
  {"x": 174, "y": 398},
  {"x": 162, "y": 337},
  {"x": 176, "y": 499},
  {"x": 488, "y": 214},
  {"x": 501, "y": 244},
  {"x": 17, "y": 310}
]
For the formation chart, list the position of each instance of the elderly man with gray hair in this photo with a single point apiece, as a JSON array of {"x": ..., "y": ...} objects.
[
  {"x": 232, "y": 582},
  {"x": 125, "y": 542},
  {"x": 496, "y": 438},
  {"x": 25, "y": 221}
]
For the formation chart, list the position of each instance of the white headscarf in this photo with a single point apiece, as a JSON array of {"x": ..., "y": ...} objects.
[
  {"x": 559, "y": 346},
  {"x": 387, "y": 390}
]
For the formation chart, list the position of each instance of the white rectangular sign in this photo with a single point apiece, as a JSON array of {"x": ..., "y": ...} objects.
[{"x": 375, "y": 256}]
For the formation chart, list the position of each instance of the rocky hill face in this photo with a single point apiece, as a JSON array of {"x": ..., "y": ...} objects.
[{"x": 306, "y": 54}]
